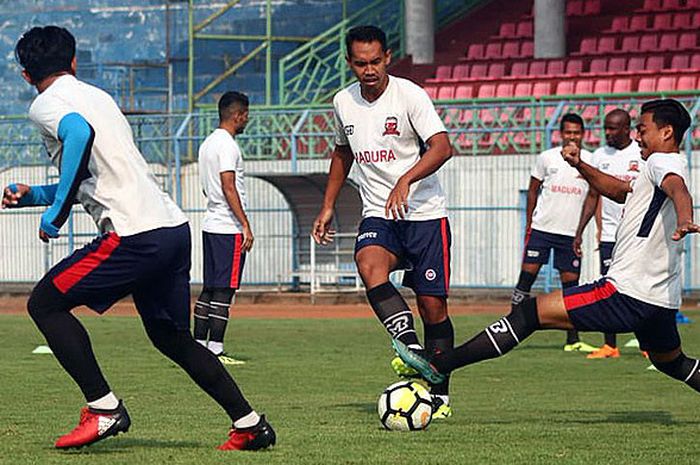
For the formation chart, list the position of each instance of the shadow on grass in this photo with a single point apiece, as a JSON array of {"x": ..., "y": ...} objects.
[
  {"x": 358, "y": 406},
  {"x": 127, "y": 445},
  {"x": 601, "y": 417}
]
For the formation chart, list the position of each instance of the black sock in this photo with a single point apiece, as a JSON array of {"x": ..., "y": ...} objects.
[
  {"x": 572, "y": 336},
  {"x": 522, "y": 289},
  {"x": 201, "y": 320},
  {"x": 218, "y": 313},
  {"x": 611, "y": 339},
  {"x": 202, "y": 366},
  {"x": 683, "y": 369},
  {"x": 393, "y": 313},
  {"x": 440, "y": 338},
  {"x": 496, "y": 340}
]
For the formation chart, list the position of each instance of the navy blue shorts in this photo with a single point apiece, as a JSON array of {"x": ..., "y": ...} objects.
[
  {"x": 153, "y": 266},
  {"x": 598, "y": 306},
  {"x": 605, "y": 249},
  {"x": 538, "y": 245},
  {"x": 223, "y": 260},
  {"x": 423, "y": 248}
]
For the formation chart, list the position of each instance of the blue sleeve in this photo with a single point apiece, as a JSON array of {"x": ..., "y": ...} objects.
[
  {"x": 77, "y": 136},
  {"x": 37, "y": 195}
]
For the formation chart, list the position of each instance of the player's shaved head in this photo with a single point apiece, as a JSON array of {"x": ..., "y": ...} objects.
[
  {"x": 232, "y": 103},
  {"x": 617, "y": 128},
  {"x": 620, "y": 116},
  {"x": 45, "y": 51}
]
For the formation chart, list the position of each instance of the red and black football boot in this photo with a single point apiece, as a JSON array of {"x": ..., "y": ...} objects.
[
  {"x": 260, "y": 436},
  {"x": 96, "y": 425}
]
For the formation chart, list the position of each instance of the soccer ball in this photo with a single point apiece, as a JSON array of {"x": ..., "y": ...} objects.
[{"x": 405, "y": 406}]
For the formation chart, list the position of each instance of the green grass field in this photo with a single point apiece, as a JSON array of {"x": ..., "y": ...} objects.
[{"x": 318, "y": 382}]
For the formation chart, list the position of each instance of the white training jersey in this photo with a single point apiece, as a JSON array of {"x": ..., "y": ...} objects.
[
  {"x": 646, "y": 262},
  {"x": 121, "y": 193},
  {"x": 220, "y": 153},
  {"x": 384, "y": 138},
  {"x": 564, "y": 190},
  {"x": 624, "y": 164}
]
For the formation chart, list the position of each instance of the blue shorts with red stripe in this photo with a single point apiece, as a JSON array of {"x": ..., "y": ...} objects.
[
  {"x": 598, "y": 306},
  {"x": 539, "y": 244},
  {"x": 223, "y": 260},
  {"x": 153, "y": 266},
  {"x": 423, "y": 248}
]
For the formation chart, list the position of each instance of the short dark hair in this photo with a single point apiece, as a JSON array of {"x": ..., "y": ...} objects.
[
  {"x": 669, "y": 112},
  {"x": 364, "y": 34},
  {"x": 232, "y": 102},
  {"x": 571, "y": 118},
  {"x": 43, "y": 51}
]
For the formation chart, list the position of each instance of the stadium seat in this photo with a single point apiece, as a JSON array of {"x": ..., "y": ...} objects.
[
  {"x": 591, "y": 7},
  {"x": 606, "y": 45},
  {"x": 695, "y": 22},
  {"x": 432, "y": 91},
  {"x": 670, "y": 4},
  {"x": 565, "y": 88},
  {"x": 695, "y": 61},
  {"x": 464, "y": 92},
  {"x": 497, "y": 70},
  {"x": 538, "y": 68},
  {"x": 680, "y": 62},
  {"x": 621, "y": 86},
  {"x": 507, "y": 30},
  {"x": 602, "y": 86},
  {"x": 648, "y": 43},
  {"x": 693, "y": 4},
  {"x": 478, "y": 70},
  {"x": 668, "y": 41},
  {"x": 663, "y": 21},
  {"x": 443, "y": 72},
  {"x": 527, "y": 49},
  {"x": 681, "y": 21},
  {"x": 617, "y": 65},
  {"x": 652, "y": 5},
  {"x": 475, "y": 51},
  {"x": 598, "y": 66},
  {"x": 574, "y": 8},
  {"x": 555, "y": 67},
  {"x": 666, "y": 83},
  {"x": 583, "y": 86},
  {"x": 574, "y": 67},
  {"x": 446, "y": 93},
  {"x": 588, "y": 46},
  {"x": 486, "y": 91},
  {"x": 519, "y": 69},
  {"x": 639, "y": 23},
  {"x": 646, "y": 84},
  {"x": 493, "y": 50},
  {"x": 686, "y": 83},
  {"x": 589, "y": 112},
  {"x": 654, "y": 63},
  {"x": 460, "y": 71},
  {"x": 522, "y": 89},
  {"x": 687, "y": 40},
  {"x": 526, "y": 29},
  {"x": 635, "y": 64},
  {"x": 541, "y": 89},
  {"x": 504, "y": 90},
  {"x": 511, "y": 49},
  {"x": 619, "y": 24},
  {"x": 630, "y": 44}
]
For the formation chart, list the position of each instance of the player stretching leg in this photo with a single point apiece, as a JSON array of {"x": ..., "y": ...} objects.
[
  {"x": 226, "y": 232},
  {"x": 642, "y": 291},
  {"x": 381, "y": 123},
  {"x": 143, "y": 249}
]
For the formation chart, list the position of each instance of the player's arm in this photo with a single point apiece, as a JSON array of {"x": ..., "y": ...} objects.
[
  {"x": 19, "y": 195},
  {"x": 439, "y": 152},
  {"x": 77, "y": 137},
  {"x": 228, "y": 185},
  {"x": 341, "y": 162},
  {"x": 590, "y": 208},
  {"x": 532, "y": 193},
  {"x": 606, "y": 185},
  {"x": 674, "y": 187}
]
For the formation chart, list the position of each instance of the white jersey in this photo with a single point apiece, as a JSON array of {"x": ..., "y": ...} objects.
[
  {"x": 220, "y": 153},
  {"x": 121, "y": 194},
  {"x": 564, "y": 190},
  {"x": 624, "y": 164},
  {"x": 646, "y": 263},
  {"x": 384, "y": 138}
]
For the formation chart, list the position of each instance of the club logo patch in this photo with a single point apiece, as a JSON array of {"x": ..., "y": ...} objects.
[
  {"x": 576, "y": 263},
  {"x": 430, "y": 274},
  {"x": 634, "y": 166},
  {"x": 349, "y": 130},
  {"x": 533, "y": 253},
  {"x": 391, "y": 126}
]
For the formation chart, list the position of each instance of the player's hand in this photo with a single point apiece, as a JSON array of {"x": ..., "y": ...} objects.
[
  {"x": 12, "y": 193},
  {"x": 248, "y": 238},
  {"x": 578, "y": 240},
  {"x": 397, "y": 204},
  {"x": 686, "y": 228},
  {"x": 571, "y": 154},
  {"x": 321, "y": 231},
  {"x": 44, "y": 236}
]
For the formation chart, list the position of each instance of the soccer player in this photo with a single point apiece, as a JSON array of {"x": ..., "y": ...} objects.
[
  {"x": 642, "y": 291},
  {"x": 551, "y": 219},
  {"x": 621, "y": 158},
  {"x": 226, "y": 232},
  {"x": 143, "y": 248},
  {"x": 382, "y": 122}
]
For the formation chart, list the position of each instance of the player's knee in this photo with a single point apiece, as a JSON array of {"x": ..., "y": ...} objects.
[
  {"x": 526, "y": 313},
  {"x": 680, "y": 368},
  {"x": 222, "y": 295},
  {"x": 45, "y": 299},
  {"x": 205, "y": 295}
]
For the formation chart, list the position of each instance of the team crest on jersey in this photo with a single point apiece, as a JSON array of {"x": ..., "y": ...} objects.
[
  {"x": 349, "y": 130},
  {"x": 634, "y": 166},
  {"x": 391, "y": 126},
  {"x": 430, "y": 274},
  {"x": 604, "y": 166},
  {"x": 552, "y": 171}
]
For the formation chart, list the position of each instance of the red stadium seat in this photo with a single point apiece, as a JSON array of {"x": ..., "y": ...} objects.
[
  {"x": 655, "y": 63},
  {"x": 617, "y": 65},
  {"x": 598, "y": 65},
  {"x": 432, "y": 91},
  {"x": 522, "y": 89},
  {"x": 479, "y": 70},
  {"x": 589, "y": 112},
  {"x": 446, "y": 93},
  {"x": 687, "y": 40},
  {"x": 695, "y": 62},
  {"x": 443, "y": 72},
  {"x": 504, "y": 90},
  {"x": 588, "y": 46},
  {"x": 663, "y": 21},
  {"x": 666, "y": 83},
  {"x": 602, "y": 86},
  {"x": 460, "y": 71},
  {"x": 606, "y": 45},
  {"x": 497, "y": 70},
  {"x": 619, "y": 24},
  {"x": 507, "y": 30},
  {"x": 538, "y": 68},
  {"x": 680, "y": 62},
  {"x": 670, "y": 4},
  {"x": 681, "y": 21},
  {"x": 519, "y": 69},
  {"x": 511, "y": 49},
  {"x": 639, "y": 23},
  {"x": 565, "y": 88},
  {"x": 668, "y": 42},
  {"x": 622, "y": 86},
  {"x": 648, "y": 43},
  {"x": 527, "y": 49},
  {"x": 584, "y": 86},
  {"x": 652, "y": 5},
  {"x": 541, "y": 88},
  {"x": 464, "y": 92},
  {"x": 526, "y": 29},
  {"x": 555, "y": 67},
  {"x": 636, "y": 64},
  {"x": 493, "y": 50},
  {"x": 695, "y": 22},
  {"x": 574, "y": 8},
  {"x": 475, "y": 51},
  {"x": 487, "y": 91},
  {"x": 693, "y": 4},
  {"x": 630, "y": 44},
  {"x": 591, "y": 7},
  {"x": 574, "y": 67},
  {"x": 686, "y": 83},
  {"x": 647, "y": 84}
]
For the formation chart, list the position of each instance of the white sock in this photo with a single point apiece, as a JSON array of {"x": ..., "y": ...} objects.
[
  {"x": 415, "y": 346},
  {"x": 216, "y": 347},
  {"x": 108, "y": 402},
  {"x": 445, "y": 399},
  {"x": 203, "y": 342},
  {"x": 247, "y": 421}
]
